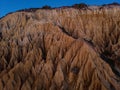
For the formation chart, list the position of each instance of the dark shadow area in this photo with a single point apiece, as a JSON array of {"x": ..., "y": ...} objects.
[
  {"x": 111, "y": 63},
  {"x": 75, "y": 70},
  {"x": 67, "y": 33},
  {"x": 0, "y": 35}
]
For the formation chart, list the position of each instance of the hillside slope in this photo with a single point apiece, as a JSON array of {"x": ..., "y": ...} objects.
[{"x": 61, "y": 49}]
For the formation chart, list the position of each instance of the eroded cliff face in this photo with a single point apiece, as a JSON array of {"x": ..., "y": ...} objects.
[{"x": 61, "y": 49}]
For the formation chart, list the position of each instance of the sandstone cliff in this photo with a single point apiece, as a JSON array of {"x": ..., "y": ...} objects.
[{"x": 61, "y": 49}]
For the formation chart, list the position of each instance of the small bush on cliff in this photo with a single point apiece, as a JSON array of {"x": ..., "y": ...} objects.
[
  {"x": 46, "y": 7},
  {"x": 80, "y": 6},
  {"x": 29, "y": 10},
  {"x": 114, "y": 3}
]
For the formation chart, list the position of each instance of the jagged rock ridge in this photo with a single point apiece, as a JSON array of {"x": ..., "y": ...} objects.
[{"x": 61, "y": 49}]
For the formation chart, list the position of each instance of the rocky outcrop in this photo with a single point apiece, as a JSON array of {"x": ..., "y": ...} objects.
[{"x": 61, "y": 49}]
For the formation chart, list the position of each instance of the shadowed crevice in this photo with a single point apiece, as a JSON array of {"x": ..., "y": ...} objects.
[
  {"x": 111, "y": 63},
  {"x": 0, "y": 35},
  {"x": 67, "y": 33}
]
